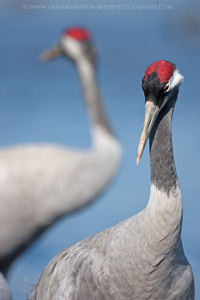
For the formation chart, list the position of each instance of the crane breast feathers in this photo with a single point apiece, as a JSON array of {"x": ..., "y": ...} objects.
[
  {"x": 68, "y": 269},
  {"x": 76, "y": 268}
]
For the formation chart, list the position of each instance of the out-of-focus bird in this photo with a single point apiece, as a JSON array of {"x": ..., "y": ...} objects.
[
  {"x": 141, "y": 257},
  {"x": 4, "y": 290},
  {"x": 41, "y": 183}
]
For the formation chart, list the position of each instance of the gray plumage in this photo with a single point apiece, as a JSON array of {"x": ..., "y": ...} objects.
[
  {"x": 4, "y": 290},
  {"x": 41, "y": 183},
  {"x": 141, "y": 258}
]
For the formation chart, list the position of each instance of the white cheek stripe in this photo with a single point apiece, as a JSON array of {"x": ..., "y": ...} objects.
[
  {"x": 176, "y": 80},
  {"x": 71, "y": 46}
]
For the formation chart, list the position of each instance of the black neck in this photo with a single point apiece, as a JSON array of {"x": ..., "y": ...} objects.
[{"x": 163, "y": 170}]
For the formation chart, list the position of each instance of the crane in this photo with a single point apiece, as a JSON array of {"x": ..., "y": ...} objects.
[
  {"x": 40, "y": 183},
  {"x": 142, "y": 257}
]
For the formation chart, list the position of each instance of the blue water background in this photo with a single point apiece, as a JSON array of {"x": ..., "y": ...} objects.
[{"x": 43, "y": 103}]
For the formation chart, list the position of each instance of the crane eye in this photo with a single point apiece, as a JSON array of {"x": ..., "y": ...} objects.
[{"x": 166, "y": 88}]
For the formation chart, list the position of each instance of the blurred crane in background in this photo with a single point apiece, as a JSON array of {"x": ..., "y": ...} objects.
[{"x": 41, "y": 183}]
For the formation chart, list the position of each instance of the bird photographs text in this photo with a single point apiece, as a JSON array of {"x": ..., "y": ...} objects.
[{"x": 97, "y": 6}]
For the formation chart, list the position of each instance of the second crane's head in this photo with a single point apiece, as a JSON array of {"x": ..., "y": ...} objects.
[
  {"x": 75, "y": 43},
  {"x": 161, "y": 80}
]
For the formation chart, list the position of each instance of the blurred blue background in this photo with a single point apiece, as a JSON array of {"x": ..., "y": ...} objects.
[{"x": 43, "y": 103}]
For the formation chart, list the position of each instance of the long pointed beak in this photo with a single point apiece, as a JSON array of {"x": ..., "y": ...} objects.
[
  {"x": 151, "y": 112},
  {"x": 52, "y": 53}
]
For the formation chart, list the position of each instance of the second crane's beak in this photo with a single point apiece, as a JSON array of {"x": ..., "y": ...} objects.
[
  {"x": 151, "y": 112},
  {"x": 52, "y": 53}
]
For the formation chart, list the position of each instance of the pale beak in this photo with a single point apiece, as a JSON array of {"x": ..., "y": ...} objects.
[
  {"x": 52, "y": 53},
  {"x": 151, "y": 112}
]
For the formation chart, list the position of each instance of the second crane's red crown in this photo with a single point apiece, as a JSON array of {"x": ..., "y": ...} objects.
[{"x": 78, "y": 33}]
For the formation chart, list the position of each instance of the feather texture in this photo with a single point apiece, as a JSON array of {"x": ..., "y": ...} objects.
[{"x": 141, "y": 258}]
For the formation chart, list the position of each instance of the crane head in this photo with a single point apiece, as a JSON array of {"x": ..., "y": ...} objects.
[
  {"x": 160, "y": 81},
  {"x": 75, "y": 43}
]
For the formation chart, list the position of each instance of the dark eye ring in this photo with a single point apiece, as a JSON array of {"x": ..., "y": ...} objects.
[{"x": 166, "y": 88}]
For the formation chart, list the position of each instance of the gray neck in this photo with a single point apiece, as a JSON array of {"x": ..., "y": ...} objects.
[
  {"x": 163, "y": 170},
  {"x": 92, "y": 96}
]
